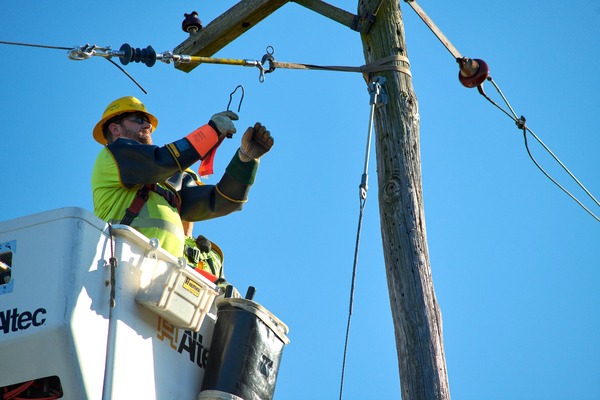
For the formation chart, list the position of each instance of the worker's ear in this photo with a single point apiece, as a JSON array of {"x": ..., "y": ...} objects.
[{"x": 116, "y": 130}]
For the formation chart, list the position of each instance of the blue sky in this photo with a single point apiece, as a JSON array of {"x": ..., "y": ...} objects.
[{"x": 514, "y": 260}]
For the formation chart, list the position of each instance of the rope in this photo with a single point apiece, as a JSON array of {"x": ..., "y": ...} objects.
[
  {"x": 376, "y": 66},
  {"x": 113, "y": 269},
  {"x": 520, "y": 122},
  {"x": 378, "y": 98}
]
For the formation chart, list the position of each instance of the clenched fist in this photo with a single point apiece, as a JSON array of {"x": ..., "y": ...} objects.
[{"x": 256, "y": 142}]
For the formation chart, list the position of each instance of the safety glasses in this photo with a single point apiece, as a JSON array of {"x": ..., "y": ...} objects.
[{"x": 138, "y": 118}]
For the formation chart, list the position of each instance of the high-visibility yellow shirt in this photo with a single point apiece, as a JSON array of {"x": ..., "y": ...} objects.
[
  {"x": 123, "y": 166},
  {"x": 157, "y": 218}
]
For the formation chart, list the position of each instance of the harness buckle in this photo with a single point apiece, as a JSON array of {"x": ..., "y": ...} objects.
[{"x": 192, "y": 253}]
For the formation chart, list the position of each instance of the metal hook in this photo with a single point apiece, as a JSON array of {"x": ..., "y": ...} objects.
[
  {"x": 267, "y": 59},
  {"x": 231, "y": 97}
]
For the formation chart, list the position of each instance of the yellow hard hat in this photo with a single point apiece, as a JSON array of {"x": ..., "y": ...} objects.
[{"x": 120, "y": 106}]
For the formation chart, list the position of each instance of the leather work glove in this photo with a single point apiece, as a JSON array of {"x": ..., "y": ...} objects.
[
  {"x": 203, "y": 244},
  {"x": 223, "y": 123},
  {"x": 256, "y": 142}
]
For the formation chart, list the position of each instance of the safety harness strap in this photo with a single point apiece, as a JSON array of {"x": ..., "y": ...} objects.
[
  {"x": 195, "y": 255},
  {"x": 142, "y": 197}
]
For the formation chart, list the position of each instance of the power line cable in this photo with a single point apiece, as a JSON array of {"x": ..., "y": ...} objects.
[
  {"x": 473, "y": 73},
  {"x": 70, "y": 49},
  {"x": 520, "y": 122},
  {"x": 36, "y": 45}
]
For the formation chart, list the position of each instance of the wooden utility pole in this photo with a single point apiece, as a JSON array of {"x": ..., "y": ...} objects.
[{"x": 415, "y": 312}]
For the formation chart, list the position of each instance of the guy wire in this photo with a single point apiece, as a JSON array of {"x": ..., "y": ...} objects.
[{"x": 521, "y": 125}]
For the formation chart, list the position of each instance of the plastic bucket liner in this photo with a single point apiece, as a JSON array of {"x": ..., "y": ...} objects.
[
  {"x": 217, "y": 395},
  {"x": 245, "y": 350}
]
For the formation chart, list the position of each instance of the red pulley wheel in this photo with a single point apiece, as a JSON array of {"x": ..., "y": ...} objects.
[{"x": 474, "y": 74}]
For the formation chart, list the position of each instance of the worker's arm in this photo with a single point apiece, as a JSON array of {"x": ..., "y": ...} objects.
[
  {"x": 205, "y": 202},
  {"x": 141, "y": 163},
  {"x": 201, "y": 202}
]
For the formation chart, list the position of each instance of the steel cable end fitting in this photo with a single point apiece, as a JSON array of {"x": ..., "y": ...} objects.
[
  {"x": 81, "y": 53},
  {"x": 473, "y": 72}
]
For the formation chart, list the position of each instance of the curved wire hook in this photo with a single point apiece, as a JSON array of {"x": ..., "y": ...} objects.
[{"x": 231, "y": 97}]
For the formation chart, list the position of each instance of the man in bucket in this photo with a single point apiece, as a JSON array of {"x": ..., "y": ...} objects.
[{"x": 137, "y": 183}]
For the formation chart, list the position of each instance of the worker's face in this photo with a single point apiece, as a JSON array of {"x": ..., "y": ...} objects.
[{"x": 137, "y": 127}]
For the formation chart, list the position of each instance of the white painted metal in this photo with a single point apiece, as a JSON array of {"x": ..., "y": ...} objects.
[{"x": 56, "y": 319}]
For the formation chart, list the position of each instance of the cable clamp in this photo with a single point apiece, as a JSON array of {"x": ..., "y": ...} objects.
[
  {"x": 377, "y": 93},
  {"x": 521, "y": 123},
  {"x": 362, "y": 23},
  {"x": 86, "y": 51},
  {"x": 168, "y": 57}
]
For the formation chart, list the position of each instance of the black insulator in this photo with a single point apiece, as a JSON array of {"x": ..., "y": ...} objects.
[
  {"x": 191, "y": 23},
  {"x": 137, "y": 55},
  {"x": 146, "y": 56},
  {"x": 151, "y": 56},
  {"x": 126, "y": 57}
]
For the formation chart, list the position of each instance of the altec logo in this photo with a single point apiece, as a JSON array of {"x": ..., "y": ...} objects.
[
  {"x": 13, "y": 320},
  {"x": 190, "y": 342}
]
